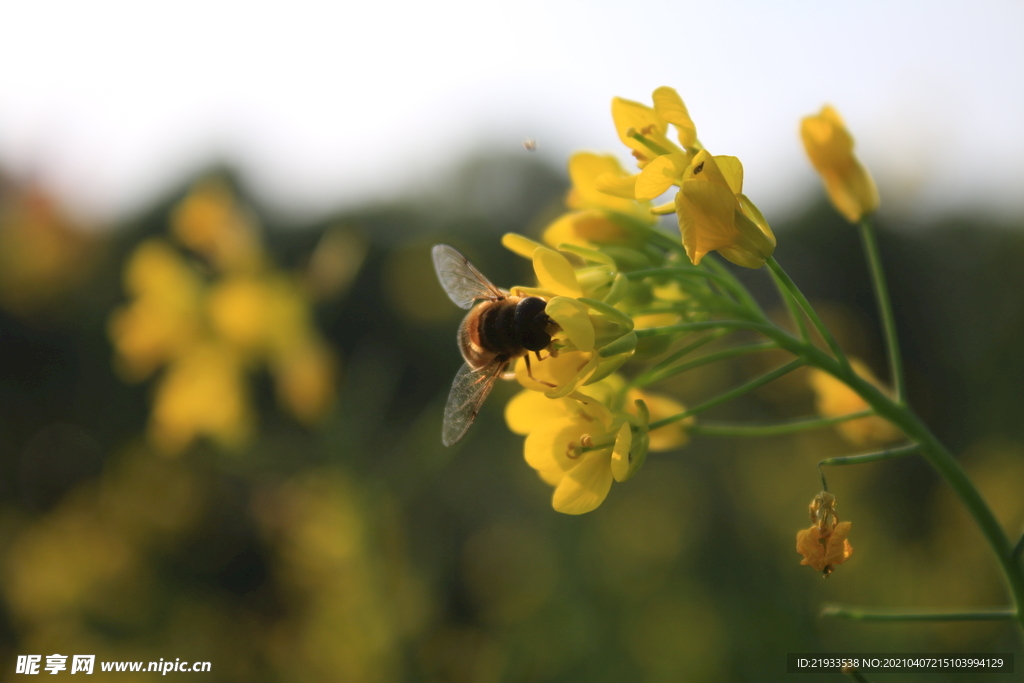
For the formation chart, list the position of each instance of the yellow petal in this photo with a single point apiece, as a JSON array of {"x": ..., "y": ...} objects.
[
  {"x": 659, "y": 175},
  {"x": 553, "y": 448},
  {"x": 517, "y": 244},
  {"x": 555, "y": 273},
  {"x": 557, "y": 376},
  {"x": 574, "y": 319},
  {"x": 732, "y": 170},
  {"x": 669, "y": 105},
  {"x": 617, "y": 186},
  {"x": 529, "y": 410},
  {"x": 584, "y": 170},
  {"x": 585, "y": 486},
  {"x": 628, "y": 114},
  {"x": 562, "y": 231},
  {"x": 706, "y": 217}
]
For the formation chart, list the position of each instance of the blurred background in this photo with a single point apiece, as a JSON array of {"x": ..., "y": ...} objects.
[{"x": 224, "y": 355}]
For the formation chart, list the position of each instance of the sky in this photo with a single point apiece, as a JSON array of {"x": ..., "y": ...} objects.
[{"x": 330, "y": 105}]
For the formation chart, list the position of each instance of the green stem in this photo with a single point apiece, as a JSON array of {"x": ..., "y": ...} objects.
[
  {"x": 871, "y": 457},
  {"x": 764, "y": 328},
  {"x": 865, "y": 457},
  {"x": 730, "y": 395},
  {"x": 788, "y": 283},
  {"x": 703, "y": 360},
  {"x": 683, "y": 352},
  {"x": 735, "y": 286},
  {"x": 791, "y": 305},
  {"x": 892, "y": 344},
  {"x": 725, "y": 429},
  {"x": 1018, "y": 549},
  {"x": 892, "y": 615}
]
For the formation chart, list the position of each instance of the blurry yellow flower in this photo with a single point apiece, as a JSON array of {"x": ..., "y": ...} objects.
[
  {"x": 164, "y": 319},
  {"x": 834, "y": 399},
  {"x": 830, "y": 148},
  {"x": 209, "y": 221},
  {"x": 209, "y": 329},
  {"x": 305, "y": 380},
  {"x": 237, "y": 308},
  {"x": 714, "y": 215},
  {"x": 824, "y": 544},
  {"x": 202, "y": 394}
]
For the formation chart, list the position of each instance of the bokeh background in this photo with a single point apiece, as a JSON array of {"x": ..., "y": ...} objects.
[{"x": 224, "y": 356}]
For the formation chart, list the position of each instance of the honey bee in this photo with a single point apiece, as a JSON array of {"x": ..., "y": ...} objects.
[{"x": 499, "y": 328}]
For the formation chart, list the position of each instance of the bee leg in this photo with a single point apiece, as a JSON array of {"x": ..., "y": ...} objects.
[{"x": 529, "y": 370}]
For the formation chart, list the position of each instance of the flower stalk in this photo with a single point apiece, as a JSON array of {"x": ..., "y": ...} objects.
[{"x": 892, "y": 343}]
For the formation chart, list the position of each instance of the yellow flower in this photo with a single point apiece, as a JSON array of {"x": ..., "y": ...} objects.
[
  {"x": 633, "y": 119},
  {"x": 581, "y": 442},
  {"x": 824, "y": 544},
  {"x": 830, "y": 148},
  {"x": 575, "y": 444},
  {"x": 601, "y": 195},
  {"x": 164, "y": 319},
  {"x": 202, "y": 394},
  {"x": 714, "y": 215},
  {"x": 208, "y": 329},
  {"x": 834, "y": 399},
  {"x": 210, "y": 221}
]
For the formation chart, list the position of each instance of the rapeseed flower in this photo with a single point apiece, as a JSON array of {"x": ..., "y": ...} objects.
[
  {"x": 581, "y": 442},
  {"x": 602, "y": 207},
  {"x": 830, "y": 148},
  {"x": 208, "y": 328},
  {"x": 714, "y": 215}
]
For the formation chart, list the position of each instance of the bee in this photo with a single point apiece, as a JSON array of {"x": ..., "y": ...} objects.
[{"x": 499, "y": 328}]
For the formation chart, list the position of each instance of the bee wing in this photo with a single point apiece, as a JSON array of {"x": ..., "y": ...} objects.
[
  {"x": 469, "y": 391},
  {"x": 463, "y": 283}
]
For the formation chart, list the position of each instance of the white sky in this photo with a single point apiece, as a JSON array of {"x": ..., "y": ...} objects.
[{"x": 326, "y": 105}]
